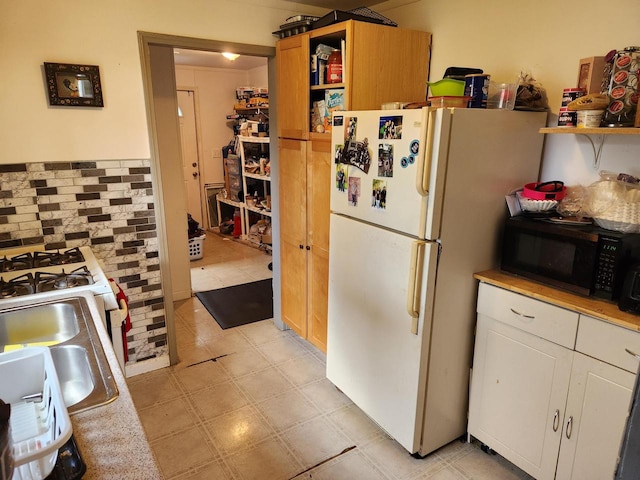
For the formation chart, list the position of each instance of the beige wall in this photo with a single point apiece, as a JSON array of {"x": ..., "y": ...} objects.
[
  {"x": 103, "y": 34},
  {"x": 545, "y": 37},
  {"x": 503, "y": 37}
]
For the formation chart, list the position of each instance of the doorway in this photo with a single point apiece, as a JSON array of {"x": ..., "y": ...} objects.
[{"x": 156, "y": 51}]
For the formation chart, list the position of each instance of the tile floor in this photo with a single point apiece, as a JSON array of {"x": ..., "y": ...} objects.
[{"x": 253, "y": 402}]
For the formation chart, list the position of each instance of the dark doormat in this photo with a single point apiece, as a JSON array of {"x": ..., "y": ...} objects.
[{"x": 240, "y": 304}]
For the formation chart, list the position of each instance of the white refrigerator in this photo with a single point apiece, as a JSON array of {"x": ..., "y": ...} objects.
[{"x": 417, "y": 202}]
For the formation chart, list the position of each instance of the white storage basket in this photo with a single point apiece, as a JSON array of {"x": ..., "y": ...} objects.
[
  {"x": 38, "y": 427},
  {"x": 615, "y": 205},
  {"x": 196, "y": 250}
]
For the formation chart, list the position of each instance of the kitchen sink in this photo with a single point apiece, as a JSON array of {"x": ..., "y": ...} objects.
[
  {"x": 67, "y": 327},
  {"x": 43, "y": 325},
  {"x": 74, "y": 373}
]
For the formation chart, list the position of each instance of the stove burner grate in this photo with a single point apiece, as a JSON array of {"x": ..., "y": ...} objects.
[
  {"x": 45, "y": 259},
  {"x": 19, "y": 262},
  {"x": 16, "y": 287},
  {"x": 46, "y": 282}
]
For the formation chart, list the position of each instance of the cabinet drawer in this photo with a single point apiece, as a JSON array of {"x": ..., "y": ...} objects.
[
  {"x": 607, "y": 342},
  {"x": 533, "y": 316}
]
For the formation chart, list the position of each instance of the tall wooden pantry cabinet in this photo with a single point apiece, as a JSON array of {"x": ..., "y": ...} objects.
[{"x": 380, "y": 64}]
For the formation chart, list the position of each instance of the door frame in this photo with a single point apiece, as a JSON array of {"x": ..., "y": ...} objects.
[{"x": 164, "y": 144}]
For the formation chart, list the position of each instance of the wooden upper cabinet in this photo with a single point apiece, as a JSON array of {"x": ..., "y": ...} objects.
[
  {"x": 388, "y": 64},
  {"x": 382, "y": 64},
  {"x": 293, "y": 63}
]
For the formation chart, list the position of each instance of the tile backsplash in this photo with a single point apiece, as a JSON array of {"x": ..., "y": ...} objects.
[{"x": 107, "y": 205}]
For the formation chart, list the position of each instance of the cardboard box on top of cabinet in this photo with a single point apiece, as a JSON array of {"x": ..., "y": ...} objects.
[
  {"x": 591, "y": 74},
  {"x": 333, "y": 101}
]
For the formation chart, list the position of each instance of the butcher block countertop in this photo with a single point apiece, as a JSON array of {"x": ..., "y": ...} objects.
[{"x": 602, "y": 309}]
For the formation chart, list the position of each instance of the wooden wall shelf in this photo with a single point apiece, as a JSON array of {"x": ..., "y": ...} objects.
[{"x": 592, "y": 131}]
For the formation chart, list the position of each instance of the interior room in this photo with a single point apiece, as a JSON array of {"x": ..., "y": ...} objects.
[{"x": 206, "y": 253}]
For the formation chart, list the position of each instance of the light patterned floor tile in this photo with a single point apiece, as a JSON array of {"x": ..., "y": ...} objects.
[
  {"x": 315, "y": 441},
  {"x": 303, "y": 370},
  {"x": 287, "y": 410},
  {"x": 325, "y": 395},
  {"x": 268, "y": 460},
  {"x": 356, "y": 425},
  {"x": 167, "y": 418},
  {"x": 259, "y": 386},
  {"x": 183, "y": 451},
  {"x": 217, "y": 400},
  {"x": 350, "y": 466},
  {"x": 238, "y": 430}
]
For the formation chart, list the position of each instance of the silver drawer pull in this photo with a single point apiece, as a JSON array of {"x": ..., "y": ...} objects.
[
  {"x": 632, "y": 353},
  {"x": 556, "y": 420},
  {"x": 569, "y": 428},
  {"x": 521, "y": 314}
]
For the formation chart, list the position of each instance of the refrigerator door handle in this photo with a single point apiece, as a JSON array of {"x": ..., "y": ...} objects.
[
  {"x": 415, "y": 283},
  {"x": 424, "y": 154}
]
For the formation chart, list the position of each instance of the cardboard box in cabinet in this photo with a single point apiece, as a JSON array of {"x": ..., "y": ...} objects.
[{"x": 591, "y": 74}]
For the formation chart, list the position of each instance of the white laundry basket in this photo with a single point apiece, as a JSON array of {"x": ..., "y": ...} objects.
[
  {"x": 39, "y": 422},
  {"x": 196, "y": 250}
]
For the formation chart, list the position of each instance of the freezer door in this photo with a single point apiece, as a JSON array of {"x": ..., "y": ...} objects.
[
  {"x": 377, "y": 351},
  {"x": 376, "y": 169}
]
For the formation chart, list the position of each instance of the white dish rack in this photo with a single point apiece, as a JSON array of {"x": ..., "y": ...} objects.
[{"x": 39, "y": 421}]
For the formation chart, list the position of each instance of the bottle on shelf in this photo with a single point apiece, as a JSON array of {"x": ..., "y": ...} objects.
[
  {"x": 237, "y": 223},
  {"x": 334, "y": 67}
]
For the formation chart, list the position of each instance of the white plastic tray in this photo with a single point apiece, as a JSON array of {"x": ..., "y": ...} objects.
[{"x": 38, "y": 427}]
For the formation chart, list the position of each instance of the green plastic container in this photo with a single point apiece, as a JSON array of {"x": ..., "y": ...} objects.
[{"x": 447, "y": 87}]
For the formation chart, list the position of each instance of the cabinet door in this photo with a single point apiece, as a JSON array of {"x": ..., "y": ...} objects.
[
  {"x": 597, "y": 409},
  {"x": 387, "y": 64},
  {"x": 318, "y": 190},
  {"x": 293, "y": 61},
  {"x": 293, "y": 233},
  {"x": 518, "y": 393}
]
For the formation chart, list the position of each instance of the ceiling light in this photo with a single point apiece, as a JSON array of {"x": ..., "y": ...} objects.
[{"x": 230, "y": 56}]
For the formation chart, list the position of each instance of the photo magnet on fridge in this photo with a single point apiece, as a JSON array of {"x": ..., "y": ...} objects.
[
  {"x": 341, "y": 177},
  {"x": 385, "y": 160},
  {"x": 354, "y": 190},
  {"x": 379, "y": 194},
  {"x": 355, "y": 153},
  {"x": 390, "y": 127}
]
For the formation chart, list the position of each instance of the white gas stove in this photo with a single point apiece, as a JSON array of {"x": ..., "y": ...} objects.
[
  {"x": 33, "y": 274},
  {"x": 33, "y": 271}
]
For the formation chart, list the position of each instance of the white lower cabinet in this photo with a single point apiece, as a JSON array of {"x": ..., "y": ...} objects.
[
  {"x": 552, "y": 411},
  {"x": 594, "y": 421}
]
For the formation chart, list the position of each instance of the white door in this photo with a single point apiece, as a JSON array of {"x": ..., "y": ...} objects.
[
  {"x": 518, "y": 393},
  {"x": 190, "y": 162},
  {"x": 597, "y": 409},
  {"x": 375, "y": 349}
]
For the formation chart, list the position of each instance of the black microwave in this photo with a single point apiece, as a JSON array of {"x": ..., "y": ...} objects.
[{"x": 586, "y": 260}]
